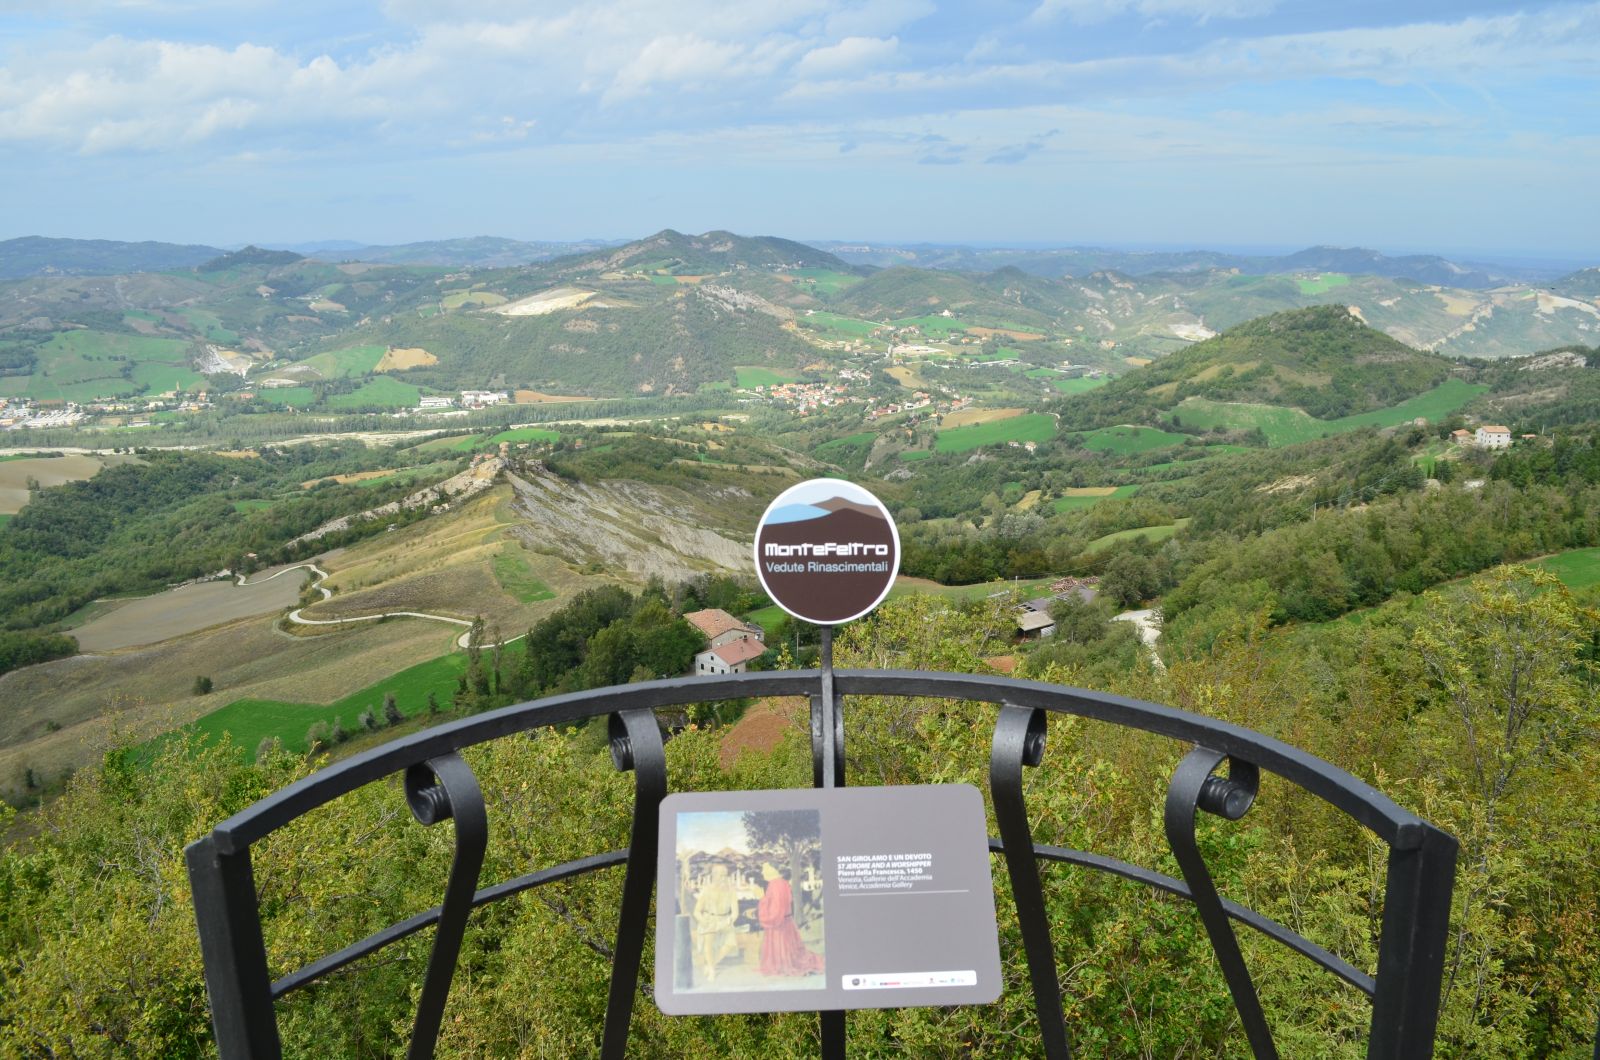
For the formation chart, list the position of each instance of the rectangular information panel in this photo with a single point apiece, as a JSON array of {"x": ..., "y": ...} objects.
[{"x": 824, "y": 899}]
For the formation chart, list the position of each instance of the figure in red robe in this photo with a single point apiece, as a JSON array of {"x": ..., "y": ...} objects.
[{"x": 782, "y": 952}]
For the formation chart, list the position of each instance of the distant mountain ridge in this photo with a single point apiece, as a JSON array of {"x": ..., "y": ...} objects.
[
  {"x": 1081, "y": 261},
  {"x": 710, "y": 252},
  {"x": 45, "y": 256},
  {"x": 479, "y": 252}
]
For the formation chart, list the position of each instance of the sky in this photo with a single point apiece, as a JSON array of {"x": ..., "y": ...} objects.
[{"x": 1447, "y": 126}]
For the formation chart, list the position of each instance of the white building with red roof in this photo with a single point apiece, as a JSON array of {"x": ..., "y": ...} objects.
[{"x": 730, "y": 658}]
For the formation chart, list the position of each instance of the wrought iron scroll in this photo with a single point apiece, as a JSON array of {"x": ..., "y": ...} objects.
[
  {"x": 1194, "y": 787},
  {"x": 635, "y": 746},
  {"x": 1019, "y": 738},
  {"x": 444, "y": 788}
]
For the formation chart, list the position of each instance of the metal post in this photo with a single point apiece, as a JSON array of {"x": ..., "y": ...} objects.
[
  {"x": 636, "y": 746},
  {"x": 1019, "y": 741},
  {"x": 235, "y": 956},
  {"x": 1416, "y": 923},
  {"x": 827, "y": 720},
  {"x": 827, "y": 746}
]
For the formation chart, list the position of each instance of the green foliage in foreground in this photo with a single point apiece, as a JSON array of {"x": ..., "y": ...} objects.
[{"x": 1478, "y": 719}]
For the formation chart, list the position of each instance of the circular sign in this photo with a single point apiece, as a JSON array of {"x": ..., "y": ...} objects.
[{"x": 827, "y": 551}]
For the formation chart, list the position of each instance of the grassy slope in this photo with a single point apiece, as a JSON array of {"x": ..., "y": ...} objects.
[
  {"x": 250, "y": 721},
  {"x": 1287, "y": 426},
  {"x": 1033, "y": 427}
]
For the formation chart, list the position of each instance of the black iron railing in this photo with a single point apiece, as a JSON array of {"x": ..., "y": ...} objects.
[{"x": 439, "y": 785}]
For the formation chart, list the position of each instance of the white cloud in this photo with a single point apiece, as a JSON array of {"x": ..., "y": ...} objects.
[
  {"x": 849, "y": 55},
  {"x": 1091, "y": 11}
]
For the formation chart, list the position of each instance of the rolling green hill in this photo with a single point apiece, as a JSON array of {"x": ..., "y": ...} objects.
[{"x": 1321, "y": 361}]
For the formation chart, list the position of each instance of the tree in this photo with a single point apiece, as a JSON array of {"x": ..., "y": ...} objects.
[
  {"x": 792, "y": 837},
  {"x": 391, "y": 710},
  {"x": 433, "y": 703},
  {"x": 202, "y": 686},
  {"x": 367, "y": 720}
]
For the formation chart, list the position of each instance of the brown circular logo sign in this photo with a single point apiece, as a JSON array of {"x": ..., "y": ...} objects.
[{"x": 827, "y": 551}]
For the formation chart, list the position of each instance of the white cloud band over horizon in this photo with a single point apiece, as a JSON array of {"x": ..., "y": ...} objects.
[{"x": 1171, "y": 121}]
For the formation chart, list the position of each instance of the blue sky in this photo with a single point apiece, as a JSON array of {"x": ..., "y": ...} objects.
[{"x": 1460, "y": 127}]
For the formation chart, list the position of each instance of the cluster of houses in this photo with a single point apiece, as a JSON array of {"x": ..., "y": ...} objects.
[
  {"x": 806, "y": 398},
  {"x": 40, "y": 415},
  {"x": 731, "y": 643}
]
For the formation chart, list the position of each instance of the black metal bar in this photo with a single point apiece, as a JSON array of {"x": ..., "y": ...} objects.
[
  {"x": 636, "y": 746},
  {"x": 1368, "y": 806},
  {"x": 445, "y": 788},
  {"x": 1249, "y": 917},
  {"x": 411, "y": 925},
  {"x": 1416, "y": 923},
  {"x": 1194, "y": 788},
  {"x": 1415, "y": 914},
  {"x": 1019, "y": 737},
  {"x": 229, "y": 922}
]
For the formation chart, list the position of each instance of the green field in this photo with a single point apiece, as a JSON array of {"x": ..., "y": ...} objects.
[
  {"x": 455, "y": 443},
  {"x": 160, "y": 378},
  {"x": 754, "y": 376},
  {"x": 252, "y": 720},
  {"x": 1078, "y": 504},
  {"x": 1288, "y": 426},
  {"x": 849, "y": 327},
  {"x": 526, "y": 434},
  {"x": 210, "y": 325},
  {"x": 1578, "y": 569},
  {"x": 1126, "y": 440},
  {"x": 915, "y": 454},
  {"x": 825, "y": 282},
  {"x": 1032, "y": 427},
  {"x": 512, "y": 572},
  {"x": 933, "y": 326},
  {"x": 458, "y": 299},
  {"x": 767, "y": 618},
  {"x": 347, "y": 363},
  {"x": 298, "y": 396},
  {"x": 1323, "y": 284},
  {"x": 1152, "y": 534},
  {"x": 4, "y": 519},
  {"x": 1078, "y": 385},
  {"x": 84, "y": 365},
  {"x": 383, "y": 391},
  {"x": 860, "y": 440},
  {"x": 251, "y": 505}
]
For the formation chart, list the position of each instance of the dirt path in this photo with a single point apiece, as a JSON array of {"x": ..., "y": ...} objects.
[
  {"x": 327, "y": 594},
  {"x": 1148, "y": 624}
]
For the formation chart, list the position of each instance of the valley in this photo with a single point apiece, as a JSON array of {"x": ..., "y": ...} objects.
[{"x": 264, "y": 511}]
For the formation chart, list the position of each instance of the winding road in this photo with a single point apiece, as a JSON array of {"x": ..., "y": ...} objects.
[{"x": 327, "y": 594}]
